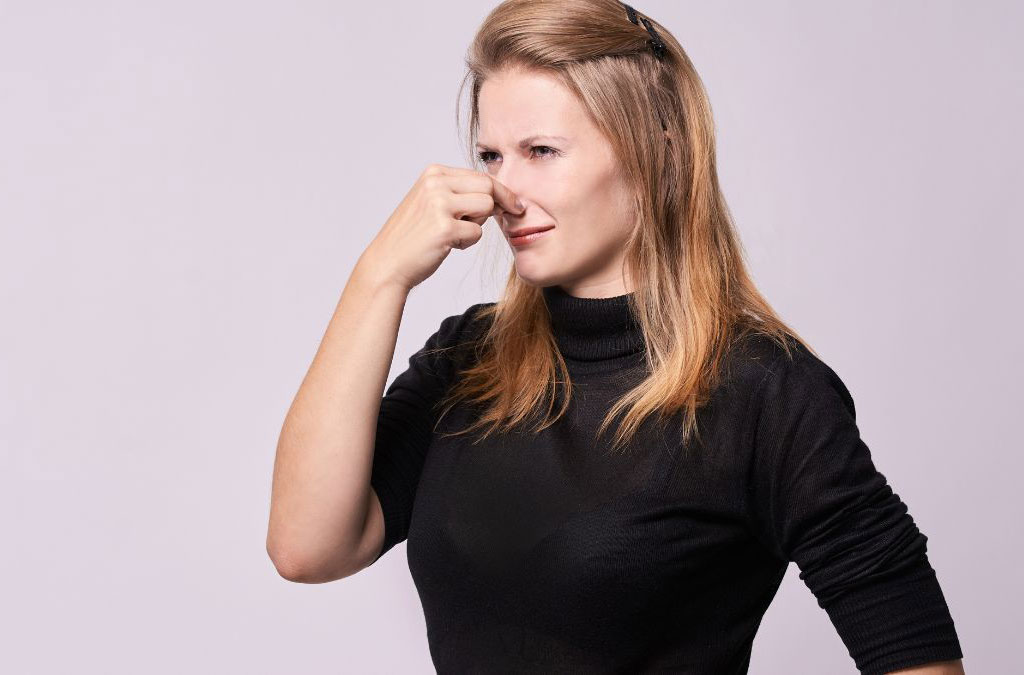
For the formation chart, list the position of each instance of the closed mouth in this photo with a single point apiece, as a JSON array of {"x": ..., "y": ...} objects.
[{"x": 523, "y": 231}]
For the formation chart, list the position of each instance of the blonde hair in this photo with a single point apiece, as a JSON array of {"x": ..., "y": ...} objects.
[{"x": 693, "y": 294}]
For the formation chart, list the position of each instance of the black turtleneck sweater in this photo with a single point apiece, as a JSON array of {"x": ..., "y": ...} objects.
[{"x": 541, "y": 553}]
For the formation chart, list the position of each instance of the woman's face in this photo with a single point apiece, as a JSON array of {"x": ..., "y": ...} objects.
[{"x": 535, "y": 138}]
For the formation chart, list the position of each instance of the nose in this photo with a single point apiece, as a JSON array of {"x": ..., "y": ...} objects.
[{"x": 508, "y": 176}]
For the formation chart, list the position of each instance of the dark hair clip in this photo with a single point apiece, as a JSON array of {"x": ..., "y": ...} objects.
[{"x": 656, "y": 43}]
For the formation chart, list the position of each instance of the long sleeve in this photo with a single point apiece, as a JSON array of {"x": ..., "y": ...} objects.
[
  {"x": 817, "y": 499},
  {"x": 406, "y": 420}
]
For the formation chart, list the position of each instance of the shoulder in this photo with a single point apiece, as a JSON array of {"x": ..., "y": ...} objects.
[
  {"x": 448, "y": 347},
  {"x": 457, "y": 335},
  {"x": 467, "y": 325},
  {"x": 769, "y": 371}
]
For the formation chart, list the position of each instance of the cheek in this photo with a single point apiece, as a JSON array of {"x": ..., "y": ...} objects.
[
  {"x": 590, "y": 232},
  {"x": 589, "y": 209},
  {"x": 603, "y": 210},
  {"x": 581, "y": 195}
]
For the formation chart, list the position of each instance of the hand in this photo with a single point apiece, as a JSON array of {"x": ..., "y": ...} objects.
[{"x": 445, "y": 209}]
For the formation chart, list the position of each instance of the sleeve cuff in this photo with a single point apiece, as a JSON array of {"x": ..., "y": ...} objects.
[{"x": 896, "y": 622}]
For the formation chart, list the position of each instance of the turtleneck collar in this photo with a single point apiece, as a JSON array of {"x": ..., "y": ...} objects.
[{"x": 592, "y": 329}]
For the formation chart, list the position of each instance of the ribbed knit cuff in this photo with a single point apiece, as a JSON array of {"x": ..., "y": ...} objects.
[{"x": 897, "y": 623}]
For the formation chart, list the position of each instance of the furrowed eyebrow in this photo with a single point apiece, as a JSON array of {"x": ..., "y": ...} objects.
[{"x": 530, "y": 139}]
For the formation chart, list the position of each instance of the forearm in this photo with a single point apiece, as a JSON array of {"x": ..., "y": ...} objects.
[{"x": 325, "y": 450}]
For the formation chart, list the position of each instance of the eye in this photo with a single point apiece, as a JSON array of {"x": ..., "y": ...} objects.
[{"x": 485, "y": 156}]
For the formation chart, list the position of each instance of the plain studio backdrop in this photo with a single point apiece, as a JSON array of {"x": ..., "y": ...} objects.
[{"x": 186, "y": 186}]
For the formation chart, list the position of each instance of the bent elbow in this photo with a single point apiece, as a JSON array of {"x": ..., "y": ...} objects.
[{"x": 303, "y": 570}]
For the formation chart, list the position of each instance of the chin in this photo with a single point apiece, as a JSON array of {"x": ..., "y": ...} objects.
[
  {"x": 537, "y": 271},
  {"x": 538, "y": 280},
  {"x": 541, "y": 280}
]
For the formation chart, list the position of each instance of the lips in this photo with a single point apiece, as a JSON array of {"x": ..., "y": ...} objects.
[{"x": 523, "y": 231}]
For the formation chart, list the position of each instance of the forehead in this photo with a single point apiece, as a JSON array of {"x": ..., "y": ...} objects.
[{"x": 515, "y": 105}]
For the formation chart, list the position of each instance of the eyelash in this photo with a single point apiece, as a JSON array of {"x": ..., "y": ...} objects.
[{"x": 483, "y": 154}]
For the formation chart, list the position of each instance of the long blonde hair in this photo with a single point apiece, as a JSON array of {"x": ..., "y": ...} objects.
[{"x": 693, "y": 294}]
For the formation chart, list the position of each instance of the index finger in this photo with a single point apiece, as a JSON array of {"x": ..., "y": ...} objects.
[{"x": 501, "y": 193}]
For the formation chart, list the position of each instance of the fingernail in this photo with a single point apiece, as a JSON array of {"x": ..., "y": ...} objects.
[{"x": 519, "y": 204}]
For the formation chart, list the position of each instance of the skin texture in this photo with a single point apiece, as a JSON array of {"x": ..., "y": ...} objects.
[{"x": 573, "y": 184}]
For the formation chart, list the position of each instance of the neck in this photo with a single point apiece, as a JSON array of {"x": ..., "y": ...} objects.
[{"x": 593, "y": 329}]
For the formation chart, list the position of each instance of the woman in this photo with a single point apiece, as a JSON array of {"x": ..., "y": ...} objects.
[{"x": 539, "y": 540}]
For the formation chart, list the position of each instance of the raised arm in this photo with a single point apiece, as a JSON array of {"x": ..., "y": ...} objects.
[
  {"x": 326, "y": 520},
  {"x": 321, "y": 497}
]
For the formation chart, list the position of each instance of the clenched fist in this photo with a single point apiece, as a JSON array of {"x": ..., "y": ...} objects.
[{"x": 445, "y": 209}]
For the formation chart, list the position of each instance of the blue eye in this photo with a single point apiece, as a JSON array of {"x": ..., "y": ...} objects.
[{"x": 484, "y": 156}]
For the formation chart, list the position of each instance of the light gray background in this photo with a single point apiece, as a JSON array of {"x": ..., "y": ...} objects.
[{"x": 185, "y": 187}]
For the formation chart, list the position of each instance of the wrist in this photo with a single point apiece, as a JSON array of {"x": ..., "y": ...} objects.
[{"x": 374, "y": 274}]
